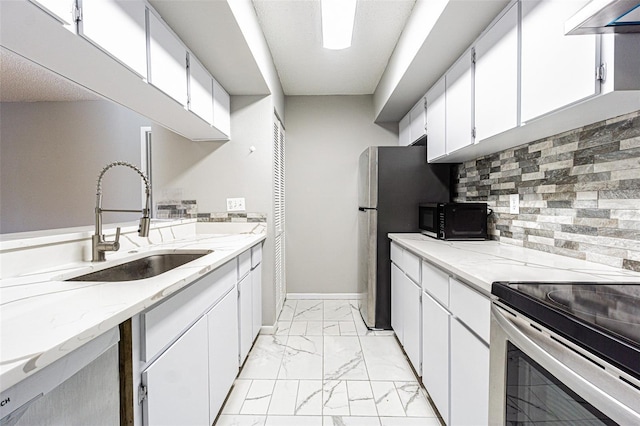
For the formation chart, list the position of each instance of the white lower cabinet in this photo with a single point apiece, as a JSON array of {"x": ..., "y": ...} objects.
[
  {"x": 412, "y": 323},
  {"x": 245, "y": 301},
  {"x": 174, "y": 397},
  {"x": 397, "y": 310},
  {"x": 256, "y": 292},
  {"x": 469, "y": 377},
  {"x": 435, "y": 353},
  {"x": 222, "y": 323}
]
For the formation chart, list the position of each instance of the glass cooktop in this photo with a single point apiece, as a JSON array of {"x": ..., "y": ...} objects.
[{"x": 603, "y": 318}]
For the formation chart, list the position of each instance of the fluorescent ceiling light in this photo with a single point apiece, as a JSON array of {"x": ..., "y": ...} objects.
[{"x": 338, "y": 17}]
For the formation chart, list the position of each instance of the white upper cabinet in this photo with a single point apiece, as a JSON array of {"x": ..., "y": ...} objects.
[
  {"x": 200, "y": 90},
  {"x": 418, "y": 120},
  {"x": 436, "y": 121},
  {"x": 496, "y": 77},
  {"x": 404, "y": 130},
  {"x": 557, "y": 70},
  {"x": 167, "y": 60},
  {"x": 221, "y": 109},
  {"x": 118, "y": 28},
  {"x": 459, "y": 104},
  {"x": 62, "y": 10}
]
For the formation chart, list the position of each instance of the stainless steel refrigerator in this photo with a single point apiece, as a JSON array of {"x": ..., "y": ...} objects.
[{"x": 392, "y": 182}]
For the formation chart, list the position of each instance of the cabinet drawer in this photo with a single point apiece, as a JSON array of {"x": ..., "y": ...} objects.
[
  {"x": 256, "y": 255},
  {"x": 470, "y": 307},
  {"x": 411, "y": 265},
  {"x": 244, "y": 264},
  {"x": 436, "y": 283},
  {"x": 163, "y": 324},
  {"x": 396, "y": 254}
]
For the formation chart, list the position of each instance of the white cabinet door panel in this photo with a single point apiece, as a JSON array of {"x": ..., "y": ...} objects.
[
  {"x": 404, "y": 130},
  {"x": 177, "y": 383},
  {"x": 396, "y": 301},
  {"x": 469, "y": 377},
  {"x": 496, "y": 77},
  {"x": 167, "y": 60},
  {"x": 436, "y": 121},
  {"x": 435, "y": 354},
  {"x": 118, "y": 28},
  {"x": 256, "y": 295},
  {"x": 244, "y": 264},
  {"x": 412, "y": 323},
  {"x": 201, "y": 90},
  {"x": 170, "y": 318},
  {"x": 222, "y": 323},
  {"x": 411, "y": 265},
  {"x": 221, "y": 109},
  {"x": 245, "y": 299},
  {"x": 256, "y": 255},
  {"x": 459, "y": 104},
  {"x": 418, "y": 120},
  {"x": 557, "y": 70}
]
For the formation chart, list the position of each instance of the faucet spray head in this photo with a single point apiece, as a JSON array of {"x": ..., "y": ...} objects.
[{"x": 143, "y": 228}]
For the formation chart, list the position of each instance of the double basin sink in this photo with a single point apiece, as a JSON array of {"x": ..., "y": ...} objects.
[{"x": 145, "y": 267}]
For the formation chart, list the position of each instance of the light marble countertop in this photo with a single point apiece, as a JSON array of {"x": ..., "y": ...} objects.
[
  {"x": 480, "y": 263},
  {"x": 43, "y": 317}
]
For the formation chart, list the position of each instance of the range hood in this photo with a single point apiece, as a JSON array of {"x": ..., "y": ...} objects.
[{"x": 605, "y": 16}]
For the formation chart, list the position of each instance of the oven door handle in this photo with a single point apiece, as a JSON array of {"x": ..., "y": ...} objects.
[{"x": 575, "y": 372}]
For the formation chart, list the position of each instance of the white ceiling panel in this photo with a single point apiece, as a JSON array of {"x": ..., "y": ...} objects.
[{"x": 293, "y": 31}]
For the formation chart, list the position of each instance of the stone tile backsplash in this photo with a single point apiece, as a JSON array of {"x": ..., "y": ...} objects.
[
  {"x": 579, "y": 192},
  {"x": 188, "y": 209}
]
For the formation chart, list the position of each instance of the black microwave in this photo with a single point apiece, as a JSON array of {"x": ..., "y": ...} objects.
[{"x": 454, "y": 221}]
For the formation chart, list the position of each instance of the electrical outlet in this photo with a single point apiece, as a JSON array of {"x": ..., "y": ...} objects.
[
  {"x": 235, "y": 204},
  {"x": 514, "y": 204}
]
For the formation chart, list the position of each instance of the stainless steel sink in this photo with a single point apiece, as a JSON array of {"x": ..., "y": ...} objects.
[{"x": 145, "y": 267}]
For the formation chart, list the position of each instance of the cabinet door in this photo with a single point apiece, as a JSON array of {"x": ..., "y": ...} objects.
[
  {"x": 436, "y": 121},
  {"x": 496, "y": 77},
  {"x": 469, "y": 377},
  {"x": 167, "y": 60},
  {"x": 177, "y": 382},
  {"x": 557, "y": 70},
  {"x": 459, "y": 104},
  {"x": 221, "y": 109},
  {"x": 200, "y": 90},
  {"x": 222, "y": 323},
  {"x": 245, "y": 318},
  {"x": 418, "y": 118},
  {"x": 404, "y": 130},
  {"x": 62, "y": 10},
  {"x": 256, "y": 294},
  {"x": 396, "y": 301},
  {"x": 118, "y": 28},
  {"x": 412, "y": 323},
  {"x": 435, "y": 353}
]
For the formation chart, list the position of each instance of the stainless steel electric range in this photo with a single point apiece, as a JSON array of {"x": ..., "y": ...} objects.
[{"x": 565, "y": 353}]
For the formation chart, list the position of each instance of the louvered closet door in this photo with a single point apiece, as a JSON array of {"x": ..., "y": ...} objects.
[{"x": 279, "y": 208}]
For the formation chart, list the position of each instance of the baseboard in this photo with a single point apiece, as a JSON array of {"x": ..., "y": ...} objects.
[
  {"x": 324, "y": 296},
  {"x": 268, "y": 329}
]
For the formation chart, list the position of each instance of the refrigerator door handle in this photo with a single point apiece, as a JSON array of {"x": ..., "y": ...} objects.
[{"x": 364, "y": 209}]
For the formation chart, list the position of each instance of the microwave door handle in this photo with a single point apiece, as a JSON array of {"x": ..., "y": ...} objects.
[{"x": 564, "y": 371}]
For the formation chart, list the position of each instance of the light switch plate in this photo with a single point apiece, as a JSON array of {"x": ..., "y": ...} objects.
[
  {"x": 514, "y": 204},
  {"x": 235, "y": 204}
]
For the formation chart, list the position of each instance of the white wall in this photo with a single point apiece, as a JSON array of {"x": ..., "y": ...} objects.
[
  {"x": 325, "y": 136},
  {"x": 50, "y": 157},
  {"x": 211, "y": 172}
]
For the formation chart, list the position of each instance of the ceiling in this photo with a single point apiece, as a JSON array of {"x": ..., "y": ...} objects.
[
  {"x": 24, "y": 81},
  {"x": 293, "y": 30}
]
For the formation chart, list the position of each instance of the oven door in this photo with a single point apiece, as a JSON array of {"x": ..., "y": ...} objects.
[{"x": 536, "y": 379}]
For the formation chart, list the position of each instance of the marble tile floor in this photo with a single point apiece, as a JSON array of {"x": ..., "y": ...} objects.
[{"x": 323, "y": 367}]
